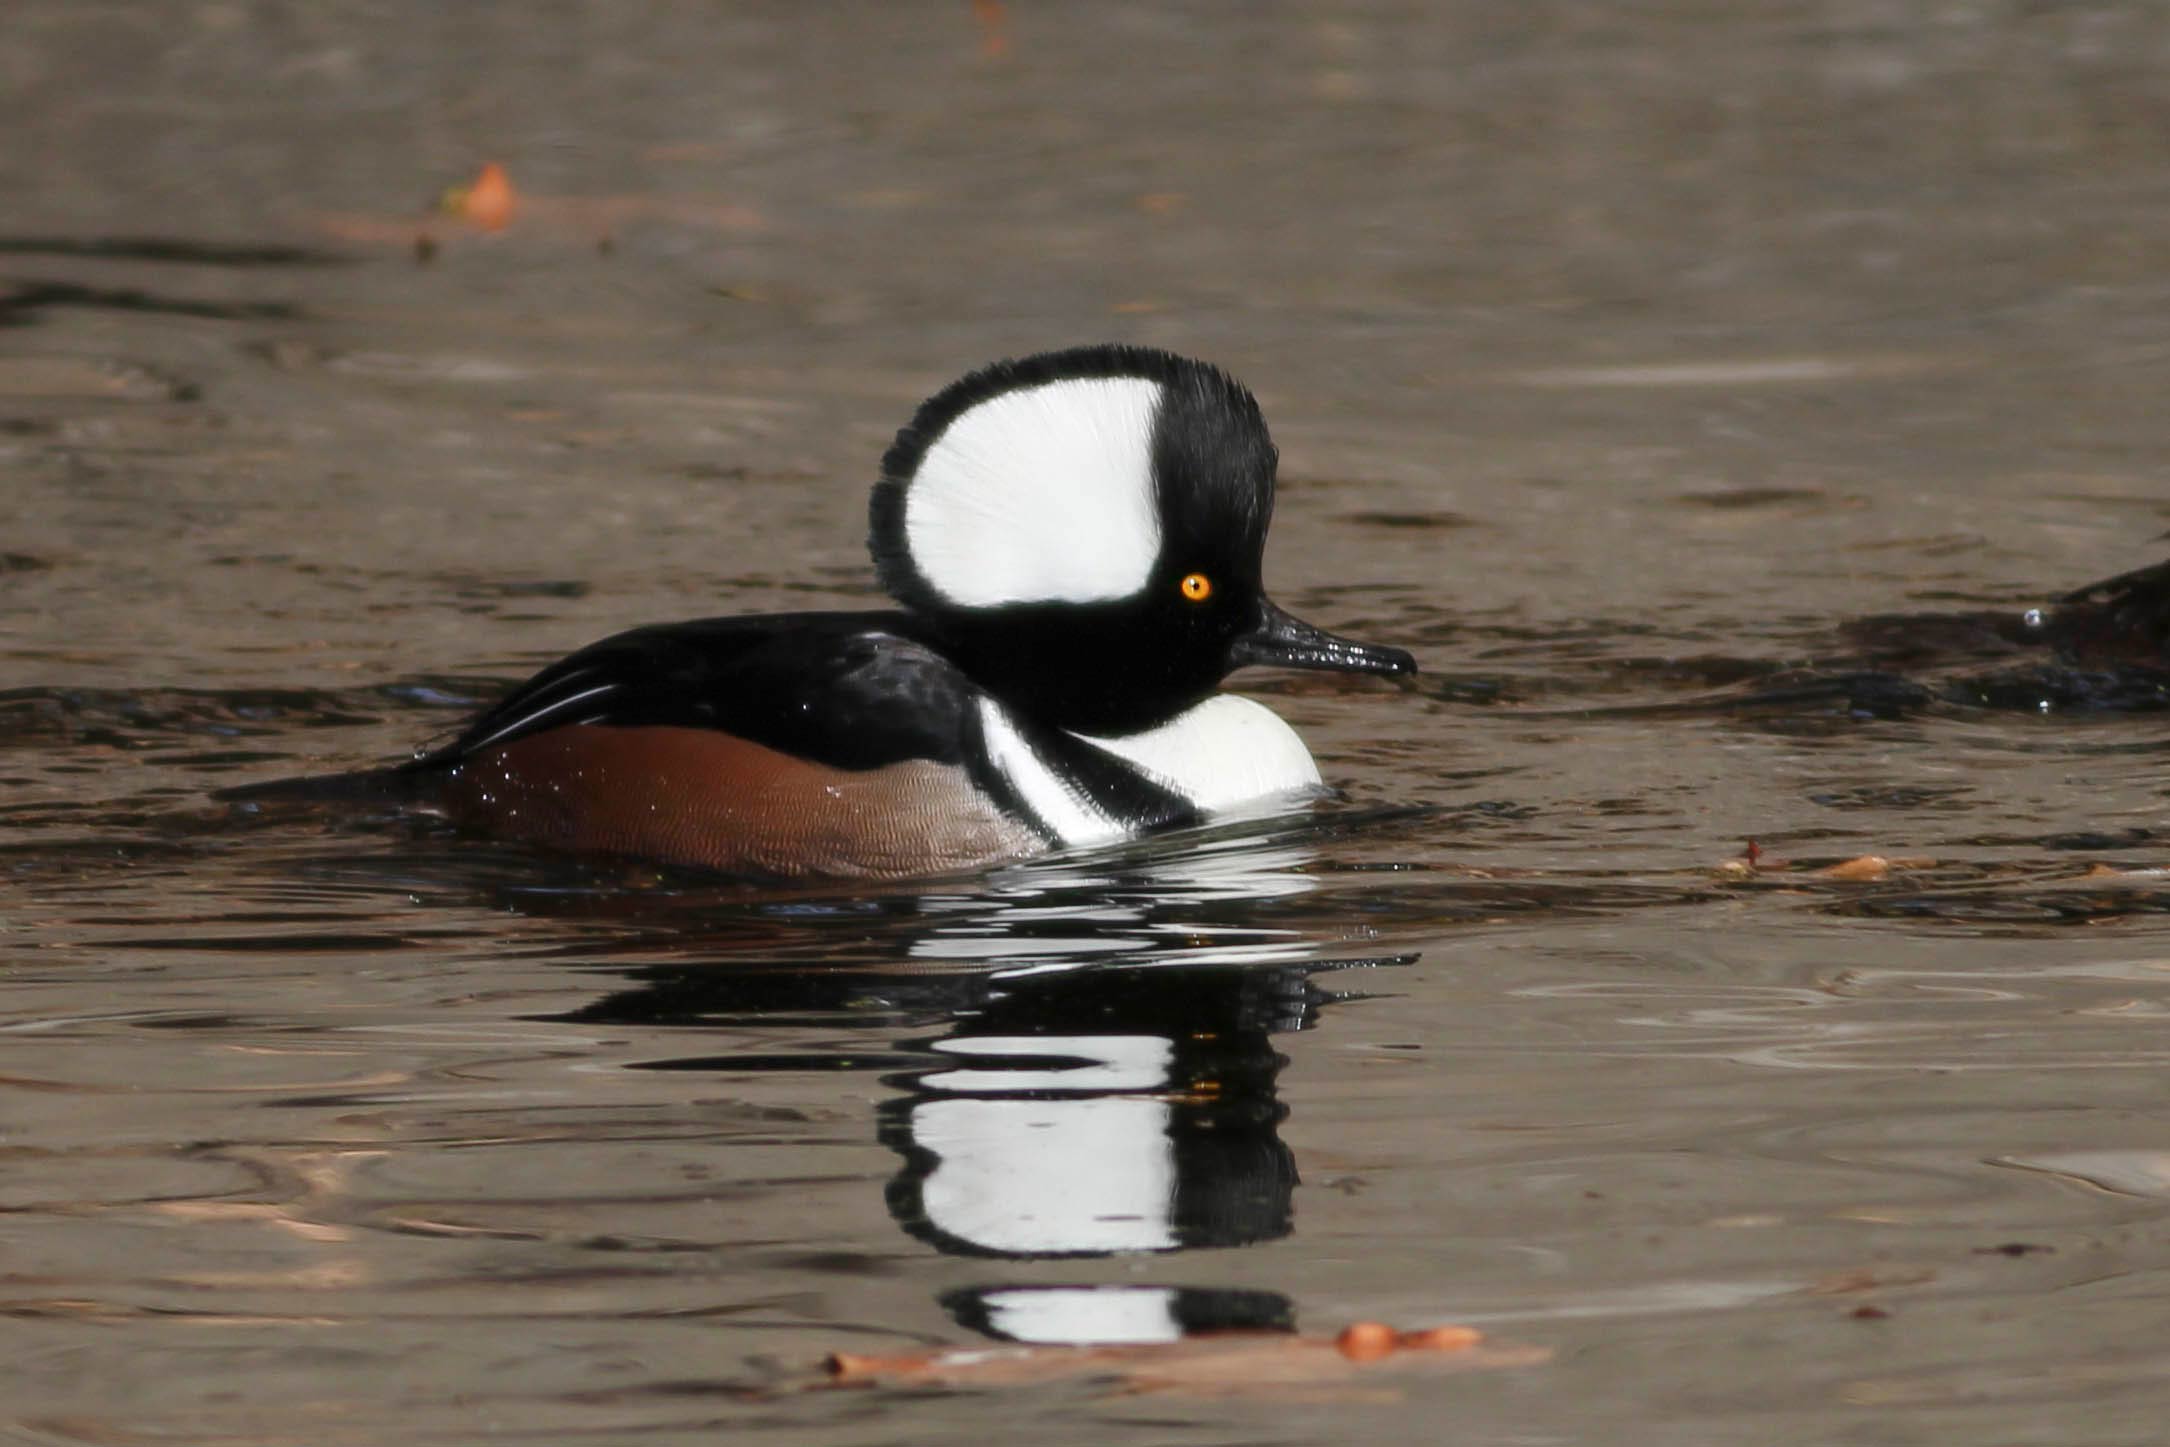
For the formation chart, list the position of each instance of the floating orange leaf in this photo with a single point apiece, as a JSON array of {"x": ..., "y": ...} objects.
[
  {"x": 1213, "y": 1364},
  {"x": 1367, "y": 1341},
  {"x": 1864, "y": 868},
  {"x": 488, "y": 201},
  {"x": 993, "y": 18}
]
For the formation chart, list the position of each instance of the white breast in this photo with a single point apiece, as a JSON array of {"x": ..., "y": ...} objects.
[{"x": 1221, "y": 754}]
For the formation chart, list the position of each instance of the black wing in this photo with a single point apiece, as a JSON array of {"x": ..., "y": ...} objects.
[
  {"x": 854, "y": 690},
  {"x": 851, "y": 690}
]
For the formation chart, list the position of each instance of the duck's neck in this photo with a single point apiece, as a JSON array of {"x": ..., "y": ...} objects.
[{"x": 1091, "y": 670}]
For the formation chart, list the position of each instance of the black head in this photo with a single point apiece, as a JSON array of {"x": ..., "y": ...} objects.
[{"x": 1084, "y": 532}]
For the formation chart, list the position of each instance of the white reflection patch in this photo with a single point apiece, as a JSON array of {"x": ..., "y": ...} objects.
[{"x": 1050, "y": 1176}]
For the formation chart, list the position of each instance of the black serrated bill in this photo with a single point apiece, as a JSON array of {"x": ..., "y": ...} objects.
[{"x": 1283, "y": 641}]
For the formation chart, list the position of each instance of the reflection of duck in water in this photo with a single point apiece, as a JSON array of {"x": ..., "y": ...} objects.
[
  {"x": 1066, "y": 1112},
  {"x": 1099, "y": 1112},
  {"x": 1092, "y": 1112},
  {"x": 1079, "y": 1112},
  {"x": 1094, "y": 1315},
  {"x": 1077, "y": 541},
  {"x": 1085, "y": 1056}
]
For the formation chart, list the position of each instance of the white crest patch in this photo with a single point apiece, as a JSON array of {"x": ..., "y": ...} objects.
[
  {"x": 1044, "y": 494},
  {"x": 1220, "y": 754}
]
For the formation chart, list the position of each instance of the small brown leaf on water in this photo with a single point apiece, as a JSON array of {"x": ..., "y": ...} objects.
[
  {"x": 1214, "y": 1364},
  {"x": 1863, "y": 868},
  {"x": 1867, "y": 1278},
  {"x": 488, "y": 201},
  {"x": 993, "y": 19},
  {"x": 1442, "y": 1339},
  {"x": 1367, "y": 1341}
]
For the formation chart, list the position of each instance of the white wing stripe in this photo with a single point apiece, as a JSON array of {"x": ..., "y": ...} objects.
[
  {"x": 1060, "y": 808},
  {"x": 555, "y": 706}
]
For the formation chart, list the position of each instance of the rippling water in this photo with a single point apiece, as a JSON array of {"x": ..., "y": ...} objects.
[{"x": 1705, "y": 396}]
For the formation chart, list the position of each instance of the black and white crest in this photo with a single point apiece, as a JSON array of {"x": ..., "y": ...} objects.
[{"x": 1067, "y": 478}]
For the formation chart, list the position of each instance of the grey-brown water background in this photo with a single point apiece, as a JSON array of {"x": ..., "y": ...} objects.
[{"x": 1619, "y": 356}]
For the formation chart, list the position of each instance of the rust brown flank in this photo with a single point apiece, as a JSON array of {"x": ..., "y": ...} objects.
[{"x": 700, "y": 797}]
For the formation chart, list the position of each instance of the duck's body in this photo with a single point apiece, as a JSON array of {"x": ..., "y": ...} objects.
[
  {"x": 830, "y": 743},
  {"x": 1076, "y": 539}
]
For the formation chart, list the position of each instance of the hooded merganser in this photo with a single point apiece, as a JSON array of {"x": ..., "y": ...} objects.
[{"x": 1076, "y": 540}]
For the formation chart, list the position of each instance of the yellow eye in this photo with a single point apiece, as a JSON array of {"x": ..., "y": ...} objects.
[{"x": 1197, "y": 587}]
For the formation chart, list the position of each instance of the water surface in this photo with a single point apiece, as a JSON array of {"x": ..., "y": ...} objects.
[{"x": 1634, "y": 370}]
